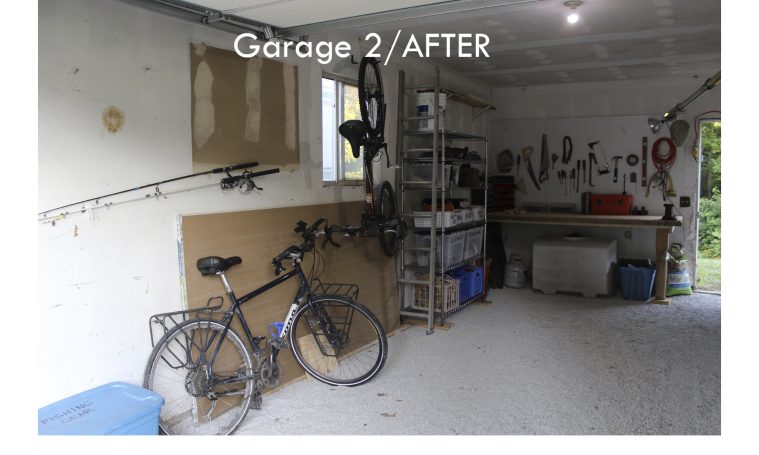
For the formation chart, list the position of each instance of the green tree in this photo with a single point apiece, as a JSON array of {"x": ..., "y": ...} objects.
[
  {"x": 711, "y": 156},
  {"x": 710, "y": 222},
  {"x": 710, "y": 205}
]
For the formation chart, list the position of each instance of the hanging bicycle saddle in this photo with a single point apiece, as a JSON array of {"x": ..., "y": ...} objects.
[{"x": 354, "y": 131}]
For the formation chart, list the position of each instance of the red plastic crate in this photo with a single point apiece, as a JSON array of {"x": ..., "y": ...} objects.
[{"x": 611, "y": 204}]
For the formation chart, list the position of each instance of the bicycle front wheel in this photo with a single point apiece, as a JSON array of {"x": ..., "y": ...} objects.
[
  {"x": 393, "y": 228},
  {"x": 338, "y": 341},
  {"x": 200, "y": 398}
]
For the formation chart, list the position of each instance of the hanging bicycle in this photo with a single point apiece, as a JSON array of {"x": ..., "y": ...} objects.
[{"x": 380, "y": 217}]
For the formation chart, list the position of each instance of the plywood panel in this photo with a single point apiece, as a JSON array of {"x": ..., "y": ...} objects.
[
  {"x": 259, "y": 235},
  {"x": 242, "y": 109}
]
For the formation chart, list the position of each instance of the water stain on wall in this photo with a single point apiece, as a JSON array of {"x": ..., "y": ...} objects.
[{"x": 113, "y": 119}]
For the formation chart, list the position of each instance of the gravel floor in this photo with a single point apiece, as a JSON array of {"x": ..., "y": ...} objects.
[{"x": 529, "y": 364}]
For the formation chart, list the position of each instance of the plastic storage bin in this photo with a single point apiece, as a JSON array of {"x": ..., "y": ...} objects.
[
  {"x": 637, "y": 283},
  {"x": 462, "y": 277},
  {"x": 445, "y": 219},
  {"x": 423, "y": 173},
  {"x": 474, "y": 281},
  {"x": 473, "y": 242},
  {"x": 467, "y": 216},
  {"x": 574, "y": 264},
  {"x": 449, "y": 249},
  {"x": 111, "y": 409}
]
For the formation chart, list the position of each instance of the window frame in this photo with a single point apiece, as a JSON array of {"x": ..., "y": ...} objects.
[{"x": 340, "y": 150}]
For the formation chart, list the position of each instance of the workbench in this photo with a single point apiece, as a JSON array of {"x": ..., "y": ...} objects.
[{"x": 663, "y": 229}]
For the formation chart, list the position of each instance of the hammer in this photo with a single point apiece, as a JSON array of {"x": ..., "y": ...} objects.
[{"x": 616, "y": 165}]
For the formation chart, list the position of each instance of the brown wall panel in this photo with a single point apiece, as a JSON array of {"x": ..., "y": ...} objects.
[{"x": 259, "y": 235}]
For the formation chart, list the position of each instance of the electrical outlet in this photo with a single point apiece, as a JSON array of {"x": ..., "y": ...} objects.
[{"x": 684, "y": 201}]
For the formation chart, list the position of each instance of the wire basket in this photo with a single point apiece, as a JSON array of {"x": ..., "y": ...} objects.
[
  {"x": 450, "y": 290},
  {"x": 341, "y": 317},
  {"x": 160, "y": 324}
]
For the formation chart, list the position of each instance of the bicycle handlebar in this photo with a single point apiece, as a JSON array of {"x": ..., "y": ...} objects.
[{"x": 309, "y": 237}]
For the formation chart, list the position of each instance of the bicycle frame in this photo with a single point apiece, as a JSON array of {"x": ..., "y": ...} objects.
[{"x": 304, "y": 292}]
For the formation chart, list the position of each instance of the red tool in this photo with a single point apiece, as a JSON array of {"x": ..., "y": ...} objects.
[{"x": 645, "y": 161}]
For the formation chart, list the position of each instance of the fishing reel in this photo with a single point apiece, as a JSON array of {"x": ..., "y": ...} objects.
[{"x": 243, "y": 181}]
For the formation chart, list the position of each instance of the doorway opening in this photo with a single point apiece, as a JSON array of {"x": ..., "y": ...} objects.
[{"x": 709, "y": 263}]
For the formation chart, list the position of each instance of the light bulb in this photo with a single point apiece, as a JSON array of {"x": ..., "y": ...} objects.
[{"x": 573, "y": 18}]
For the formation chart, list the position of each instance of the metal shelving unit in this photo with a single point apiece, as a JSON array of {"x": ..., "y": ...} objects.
[{"x": 411, "y": 192}]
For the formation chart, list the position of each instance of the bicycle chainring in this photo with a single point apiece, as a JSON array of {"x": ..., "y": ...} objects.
[{"x": 271, "y": 374}]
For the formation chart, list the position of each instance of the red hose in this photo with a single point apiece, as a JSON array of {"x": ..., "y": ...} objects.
[{"x": 664, "y": 162}]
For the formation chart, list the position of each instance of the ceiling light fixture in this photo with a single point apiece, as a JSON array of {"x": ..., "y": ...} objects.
[{"x": 573, "y": 17}]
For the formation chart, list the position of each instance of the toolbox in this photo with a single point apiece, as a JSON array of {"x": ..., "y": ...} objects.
[{"x": 611, "y": 204}]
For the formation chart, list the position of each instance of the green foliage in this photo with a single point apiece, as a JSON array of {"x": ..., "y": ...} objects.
[
  {"x": 710, "y": 233},
  {"x": 711, "y": 155},
  {"x": 354, "y": 167}
]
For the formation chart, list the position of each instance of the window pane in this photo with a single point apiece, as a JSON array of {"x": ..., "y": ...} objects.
[
  {"x": 354, "y": 168},
  {"x": 329, "y": 140}
]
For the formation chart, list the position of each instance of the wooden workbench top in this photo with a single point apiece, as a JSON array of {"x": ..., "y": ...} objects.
[{"x": 643, "y": 221}]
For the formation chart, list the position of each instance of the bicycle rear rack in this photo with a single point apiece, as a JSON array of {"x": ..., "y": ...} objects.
[
  {"x": 163, "y": 322},
  {"x": 348, "y": 290}
]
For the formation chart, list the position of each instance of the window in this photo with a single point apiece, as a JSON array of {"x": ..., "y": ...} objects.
[{"x": 339, "y": 103}]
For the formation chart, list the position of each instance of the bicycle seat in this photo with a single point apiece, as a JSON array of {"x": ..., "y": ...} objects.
[{"x": 212, "y": 265}]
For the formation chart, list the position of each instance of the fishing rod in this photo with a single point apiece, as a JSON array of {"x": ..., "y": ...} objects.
[{"x": 245, "y": 181}]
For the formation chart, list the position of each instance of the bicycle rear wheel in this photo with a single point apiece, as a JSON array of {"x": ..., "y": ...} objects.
[
  {"x": 392, "y": 228},
  {"x": 195, "y": 401},
  {"x": 350, "y": 352},
  {"x": 371, "y": 98}
]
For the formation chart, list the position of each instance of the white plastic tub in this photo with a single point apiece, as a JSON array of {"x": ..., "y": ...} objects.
[
  {"x": 425, "y": 105},
  {"x": 449, "y": 249},
  {"x": 574, "y": 264}
]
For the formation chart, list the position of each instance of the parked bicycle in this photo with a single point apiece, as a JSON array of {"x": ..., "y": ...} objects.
[
  {"x": 209, "y": 377},
  {"x": 380, "y": 217}
]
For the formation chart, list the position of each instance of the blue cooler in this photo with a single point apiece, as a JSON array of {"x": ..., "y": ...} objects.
[{"x": 116, "y": 408}]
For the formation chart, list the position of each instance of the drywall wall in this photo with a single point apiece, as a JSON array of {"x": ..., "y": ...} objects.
[
  {"x": 604, "y": 105},
  {"x": 114, "y": 113}
]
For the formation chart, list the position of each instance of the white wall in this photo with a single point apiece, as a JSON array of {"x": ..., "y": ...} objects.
[
  {"x": 609, "y": 99},
  {"x": 104, "y": 272}
]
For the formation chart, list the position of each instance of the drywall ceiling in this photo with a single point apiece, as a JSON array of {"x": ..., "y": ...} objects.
[{"x": 531, "y": 42}]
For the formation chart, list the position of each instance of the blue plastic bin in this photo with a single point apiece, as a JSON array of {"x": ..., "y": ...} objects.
[
  {"x": 474, "y": 282},
  {"x": 463, "y": 278},
  {"x": 116, "y": 409},
  {"x": 637, "y": 282}
]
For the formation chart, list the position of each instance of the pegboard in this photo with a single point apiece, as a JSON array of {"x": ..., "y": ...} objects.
[{"x": 619, "y": 135}]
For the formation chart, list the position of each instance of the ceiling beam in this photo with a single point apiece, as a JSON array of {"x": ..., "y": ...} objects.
[
  {"x": 608, "y": 37},
  {"x": 398, "y": 15},
  {"x": 598, "y": 64},
  {"x": 198, "y": 14}
]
